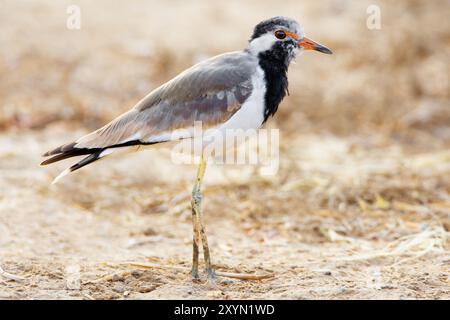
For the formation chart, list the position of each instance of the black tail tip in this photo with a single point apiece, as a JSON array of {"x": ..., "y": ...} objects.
[{"x": 45, "y": 162}]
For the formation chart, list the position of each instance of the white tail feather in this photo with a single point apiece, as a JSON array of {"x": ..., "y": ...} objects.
[
  {"x": 105, "y": 153},
  {"x": 61, "y": 175}
]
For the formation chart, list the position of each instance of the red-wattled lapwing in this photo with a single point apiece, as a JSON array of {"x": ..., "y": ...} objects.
[{"x": 236, "y": 90}]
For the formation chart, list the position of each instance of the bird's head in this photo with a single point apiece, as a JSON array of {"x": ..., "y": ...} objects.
[{"x": 282, "y": 38}]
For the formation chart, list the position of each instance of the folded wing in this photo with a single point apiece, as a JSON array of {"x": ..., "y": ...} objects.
[{"x": 210, "y": 92}]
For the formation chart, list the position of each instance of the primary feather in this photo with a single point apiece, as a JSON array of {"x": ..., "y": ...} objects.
[{"x": 211, "y": 91}]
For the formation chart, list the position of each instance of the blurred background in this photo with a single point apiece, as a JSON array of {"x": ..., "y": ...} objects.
[{"x": 364, "y": 169}]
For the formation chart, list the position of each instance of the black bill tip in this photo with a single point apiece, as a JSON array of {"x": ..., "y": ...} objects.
[{"x": 323, "y": 49}]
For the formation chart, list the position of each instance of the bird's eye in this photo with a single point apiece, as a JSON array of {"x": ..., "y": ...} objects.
[{"x": 280, "y": 34}]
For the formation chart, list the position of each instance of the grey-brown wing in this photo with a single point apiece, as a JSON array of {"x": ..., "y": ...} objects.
[{"x": 211, "y": 92}]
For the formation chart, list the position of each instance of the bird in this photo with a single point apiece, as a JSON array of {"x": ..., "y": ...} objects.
[{"x": 235, "y": 90}]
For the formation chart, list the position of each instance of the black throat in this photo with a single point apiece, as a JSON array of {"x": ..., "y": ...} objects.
[{"x": 274, "y": 63}]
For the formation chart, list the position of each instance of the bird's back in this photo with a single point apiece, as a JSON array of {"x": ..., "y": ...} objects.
[{"x": 211, "y": 91}]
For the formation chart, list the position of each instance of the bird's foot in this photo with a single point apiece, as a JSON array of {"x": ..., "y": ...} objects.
[
  {"x": 212, "y": 281},
  {"x": 195, "y": 275},
  {"x": 211, "y": 274}
]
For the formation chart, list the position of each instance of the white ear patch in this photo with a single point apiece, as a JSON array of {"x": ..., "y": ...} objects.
[{"x": 262, "y": 43}]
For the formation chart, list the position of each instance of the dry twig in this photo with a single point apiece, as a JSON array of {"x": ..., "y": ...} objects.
[
  {"x": 240, "y": 276},
  {"x": 10, "y": 276}
]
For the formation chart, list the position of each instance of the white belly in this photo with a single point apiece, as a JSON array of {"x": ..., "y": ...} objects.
[
  {"x": 251, "y": 114},
  {"x": 243, "y": 124}
]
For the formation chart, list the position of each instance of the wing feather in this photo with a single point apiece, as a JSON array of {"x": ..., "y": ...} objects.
[{"x": 211, "y": 92}]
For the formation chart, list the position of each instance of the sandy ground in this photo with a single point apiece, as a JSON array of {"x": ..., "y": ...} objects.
[
  {"x": 359, "y": 209},
  {"x": 387, "y": 238}
]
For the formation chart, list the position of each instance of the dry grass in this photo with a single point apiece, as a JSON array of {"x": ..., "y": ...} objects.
[{"x": 359, "y": 209}]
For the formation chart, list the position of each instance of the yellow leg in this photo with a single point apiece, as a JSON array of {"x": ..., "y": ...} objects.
[
  {"x": 198, "y": 227},
  {"x": 195, "y": 242}
]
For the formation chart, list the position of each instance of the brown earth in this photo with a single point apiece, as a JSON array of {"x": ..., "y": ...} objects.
[{"x": 359, "y": 209}]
